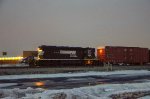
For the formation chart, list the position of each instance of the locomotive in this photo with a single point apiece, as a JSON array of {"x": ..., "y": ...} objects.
[
  {"x": 79, "y": 56},
  {"x": 65, "y": 56}
]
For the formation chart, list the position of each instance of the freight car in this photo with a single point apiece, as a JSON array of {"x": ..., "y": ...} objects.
[
  {"x": 123, "y": 55},
  {"x": 65, "y": 56}
]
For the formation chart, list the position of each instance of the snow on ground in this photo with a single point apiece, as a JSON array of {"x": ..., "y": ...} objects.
[
  {"x": 112, "y": 73},
  {"x": 146, "y": 97},
  {"x": 91, "y": 92},
  {"x": 7, "y": 84},
  {"x": 102, "y": 91}
]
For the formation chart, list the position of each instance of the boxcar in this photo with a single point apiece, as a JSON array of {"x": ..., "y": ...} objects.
[
  {"x": 123, "y": 55},
  {"x": 64, "y": 55}
]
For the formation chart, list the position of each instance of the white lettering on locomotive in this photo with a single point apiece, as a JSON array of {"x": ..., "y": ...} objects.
[
  {"x": 71, "y": 53},
  {"x": 89, "y": 53}
]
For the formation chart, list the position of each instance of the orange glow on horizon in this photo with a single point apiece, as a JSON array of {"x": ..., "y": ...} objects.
[{"x": 101, "y": 47}]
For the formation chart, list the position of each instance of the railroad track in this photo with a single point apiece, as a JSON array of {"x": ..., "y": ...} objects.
[
  {"x": 28, "y": 67},
  {"x": 61, "y": 69},
  {"x": 44, "y": 70}
]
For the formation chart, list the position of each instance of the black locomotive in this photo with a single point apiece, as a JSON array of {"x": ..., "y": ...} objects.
[{"x": 65, "y": 56}]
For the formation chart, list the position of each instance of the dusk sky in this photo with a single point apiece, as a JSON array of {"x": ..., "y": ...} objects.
[{"x": 27, "y": 24}]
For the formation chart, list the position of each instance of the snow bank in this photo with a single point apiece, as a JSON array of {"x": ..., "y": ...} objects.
[
  {"x": 18, "y": 93},
  {"x": 112, "y": 73},
  {"x": 146, "y": 97},
  {"x": 91, "y": 92}
]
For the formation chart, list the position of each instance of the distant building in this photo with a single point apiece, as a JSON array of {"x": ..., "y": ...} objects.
[
  {"x": 30, "y": 53},
  {"x": 4, "y": 53}
]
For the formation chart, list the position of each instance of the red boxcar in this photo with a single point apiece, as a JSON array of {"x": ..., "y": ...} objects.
[{"x": 126, "y": 55}]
